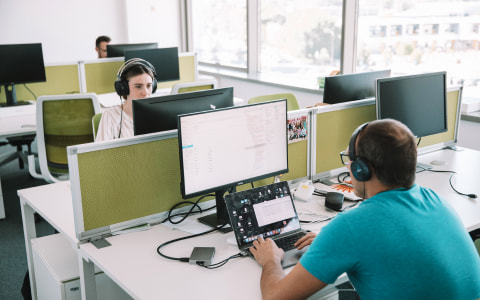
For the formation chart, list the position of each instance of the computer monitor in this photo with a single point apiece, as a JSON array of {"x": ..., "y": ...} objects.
[
  {"x": 157, "y": 114},
  {"x": 118, "y": 50},
  {"x": 20, "y": 63},
  {"x": 419, "y": 101},
  {"x": 224, "y": 148},
  {"x": 164, "y": 60},
  {"x": 350, "y": 87}
]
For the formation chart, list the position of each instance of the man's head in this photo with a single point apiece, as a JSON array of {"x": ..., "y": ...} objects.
[
  {"x": 101, "y": 45},
  {"x": 389, "y": 151},
  {"x": 136, "y": 79}
]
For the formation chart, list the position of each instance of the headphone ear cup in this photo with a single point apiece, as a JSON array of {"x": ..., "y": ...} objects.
[
  {"x": 121, "y": 87},
  {"x": 360, "y": 169},
  {"x": 154, "y": 84}
]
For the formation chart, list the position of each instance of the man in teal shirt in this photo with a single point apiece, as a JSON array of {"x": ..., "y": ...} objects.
[{"x": 402, "y": 242}]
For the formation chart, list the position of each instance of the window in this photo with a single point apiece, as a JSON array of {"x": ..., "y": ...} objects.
[
  {"x": 300, "y": 37},
  {"x": 220, "y": 32},
  {"x": 445, "y": 35}
]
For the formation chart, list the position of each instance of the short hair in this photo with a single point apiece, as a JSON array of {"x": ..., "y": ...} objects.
[
  {"x": 102, "y": 38},
  {"x": 390, "y": 148}
]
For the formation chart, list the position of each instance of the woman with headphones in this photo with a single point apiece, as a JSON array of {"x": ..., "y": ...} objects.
[{"x": 135, "y": 80}]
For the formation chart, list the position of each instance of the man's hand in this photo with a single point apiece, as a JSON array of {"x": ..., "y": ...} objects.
[
  {"x": 266, "y": 251},
  {"x": 305, "y": 240}
]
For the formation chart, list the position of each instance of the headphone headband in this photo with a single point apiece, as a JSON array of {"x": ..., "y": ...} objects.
[
  {"x": 135, "y": 61},
  {"x": 358, "y": 166}
]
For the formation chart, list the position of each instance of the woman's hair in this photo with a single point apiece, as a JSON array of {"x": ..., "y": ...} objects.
[
  {"x": 135, "y": 70},
  {"x": 390, "y": 148}
]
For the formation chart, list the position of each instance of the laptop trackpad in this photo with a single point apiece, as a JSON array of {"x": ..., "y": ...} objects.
[{"x": 292, "y": 257}]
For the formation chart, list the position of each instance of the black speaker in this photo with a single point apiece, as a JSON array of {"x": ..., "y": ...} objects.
[
  {"x": 121, "y": 84},
  {"x": 358, "y": 166}
]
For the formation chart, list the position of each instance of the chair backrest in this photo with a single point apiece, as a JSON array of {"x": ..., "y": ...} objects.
[
  {"x": 292, "y": 103},
  {"x": 62, "y": 120},
  {"x": 185, "y": 87},
  {"x": 95, "y": 122}
]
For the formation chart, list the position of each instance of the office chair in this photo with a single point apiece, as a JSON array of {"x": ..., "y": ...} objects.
[
  {"x": 18, "y": 142},
  {"x": 185, "y": 87},
  {"x": 95, "y": 123},
  {"x": 62, "y": 120},
  {"x": 292, "y": 103}
]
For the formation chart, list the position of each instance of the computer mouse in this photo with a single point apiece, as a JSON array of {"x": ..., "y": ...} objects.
[{"x": 334, "y": 200}]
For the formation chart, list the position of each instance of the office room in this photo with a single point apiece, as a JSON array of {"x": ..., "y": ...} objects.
[{"x": 258, "y": 48}]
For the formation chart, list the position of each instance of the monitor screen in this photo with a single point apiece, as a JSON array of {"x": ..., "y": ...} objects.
[
  {"x": 118, "y": 50},
  {"x": 221, "y": 149},
  {"x": 418, "y": 101},
  {"x": 20, "y": 63},
  {"x": 350, "y": 87},
  {"x": 157, "y": 114},
  {"x": 164, "y": 60}
]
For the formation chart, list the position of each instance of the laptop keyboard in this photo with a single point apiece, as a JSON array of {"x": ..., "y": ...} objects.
[{"x": 288, "y": 242}]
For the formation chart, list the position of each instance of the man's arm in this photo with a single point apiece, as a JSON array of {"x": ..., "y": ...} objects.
[{"x": 298, "y": 284}]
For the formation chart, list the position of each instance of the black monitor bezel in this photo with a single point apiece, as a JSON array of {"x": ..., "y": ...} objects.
[
  {"x": 378, "y": 105},
  {"x": 162, "y": 59},
  {"x": 234, "y": 184},
  {"x": 140, "y": 107},
  {"x": 352, "y": 87},
  {"x": 22, "y": 60},
  {"x": 127, "y": 47}
]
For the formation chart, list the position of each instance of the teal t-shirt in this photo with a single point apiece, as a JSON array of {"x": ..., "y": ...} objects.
[{"x": 399, "y": 244}]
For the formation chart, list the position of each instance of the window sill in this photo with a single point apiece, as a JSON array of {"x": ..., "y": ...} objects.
[{"x": 293, "y": 82}]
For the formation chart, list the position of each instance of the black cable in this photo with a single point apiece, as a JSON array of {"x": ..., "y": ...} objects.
[
  {"x": 28, "y": 89},
  {"x": 453, "y": 173},
  {"x": 186, "y": 214},
  {"x": 419, "y": 140},
  {"x": 345, "y": 175},
  {"x": 184, "y": 259},
  {"x": 222, "y": 263}
]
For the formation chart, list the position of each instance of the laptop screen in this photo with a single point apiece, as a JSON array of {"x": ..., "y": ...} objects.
[{"x": 266, "y": 211}]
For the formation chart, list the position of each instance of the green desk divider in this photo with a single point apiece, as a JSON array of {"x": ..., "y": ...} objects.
[
  {"x": 61, "y": 79},
  {"x": 100, "y": 75},
  {"x": 128, "y": 182},
  {"x": 334, "y": 128}
]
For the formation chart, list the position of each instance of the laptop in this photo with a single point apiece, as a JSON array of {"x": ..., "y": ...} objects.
[{"x": 269, "y": 212}]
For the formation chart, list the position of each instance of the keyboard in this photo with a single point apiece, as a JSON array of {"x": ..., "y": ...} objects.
[{"x": 288, "y": 242}]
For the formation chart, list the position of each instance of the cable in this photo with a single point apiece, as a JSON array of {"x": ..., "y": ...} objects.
[
  {"x": 345, "y": 175},
  {"x": 419, "y": 140},
  {"x": 190, "y": 212},
  {"x": 183, "y": 259},
  {"x": 453, "y": 173},
  {"x": 34, "y": 97},
  {"x": 223, "y": 262}
]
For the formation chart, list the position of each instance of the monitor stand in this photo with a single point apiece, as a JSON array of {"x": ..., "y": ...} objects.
[
  {"x": 11, "y": 96},
  {"x": 221, "y": 217}
]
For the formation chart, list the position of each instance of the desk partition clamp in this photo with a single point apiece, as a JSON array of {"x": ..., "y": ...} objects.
[{"x": 99, "y": 242}]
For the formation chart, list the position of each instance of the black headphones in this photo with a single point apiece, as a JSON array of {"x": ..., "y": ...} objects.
[
  {"x": 358, "y": 166},
  {"x": 121, "y": 84}
]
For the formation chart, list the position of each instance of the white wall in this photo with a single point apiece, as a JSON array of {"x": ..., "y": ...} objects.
[{"x": 67, "y": 29}]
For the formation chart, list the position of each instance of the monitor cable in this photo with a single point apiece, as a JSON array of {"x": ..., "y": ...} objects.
[
  {"x": 453, "y": 173},
  {"x": 186, "y": 214}
]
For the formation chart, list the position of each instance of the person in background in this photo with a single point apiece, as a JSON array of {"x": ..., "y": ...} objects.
[
  {"x": 101, "y": 45},
  {"x": 402, "y": 242},
  {"x": 135, "y": 80}
]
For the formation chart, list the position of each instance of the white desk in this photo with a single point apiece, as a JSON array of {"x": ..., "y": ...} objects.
[
  {"x": 133, "y": 263},
  {"x": 466, "y": 163},
  {"x": 15, "y": 121},
  {"x": 54, "y": 203}
]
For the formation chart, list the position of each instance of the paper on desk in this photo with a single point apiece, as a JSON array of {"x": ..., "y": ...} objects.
[{"x": 332, "y": 188}]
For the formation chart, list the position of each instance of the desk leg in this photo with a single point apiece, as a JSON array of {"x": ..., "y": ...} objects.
[
  {"x": 2, "y": 205},
  {"x": 29, "y": 232},
  {"x": 88, "y": 285}
]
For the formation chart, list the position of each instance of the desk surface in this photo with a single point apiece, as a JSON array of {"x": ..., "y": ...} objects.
[
  {"x": 133, "y": 263},
  {"x": 17, "y": 120},
  {"x": 466, "y": 163}
]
